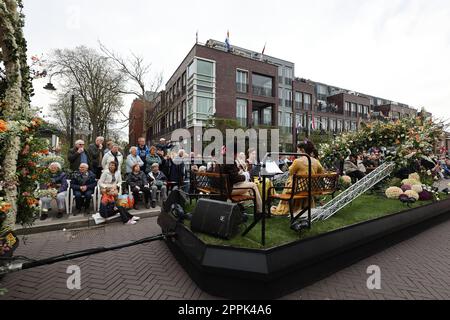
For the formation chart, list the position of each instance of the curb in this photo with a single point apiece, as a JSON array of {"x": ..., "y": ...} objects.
[{"x": 87, "y": 222}]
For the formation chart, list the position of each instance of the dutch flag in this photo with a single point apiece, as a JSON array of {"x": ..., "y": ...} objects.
[{"x": 227, "y": 41}]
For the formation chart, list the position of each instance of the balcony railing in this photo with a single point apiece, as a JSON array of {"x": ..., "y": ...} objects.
[{"x": 261, "y": 91}]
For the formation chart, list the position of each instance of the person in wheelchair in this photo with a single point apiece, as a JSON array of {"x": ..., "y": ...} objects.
[{"x": 138, "y": 182}]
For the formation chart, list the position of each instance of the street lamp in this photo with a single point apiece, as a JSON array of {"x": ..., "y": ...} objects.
[{"x": 49, "y": 86}]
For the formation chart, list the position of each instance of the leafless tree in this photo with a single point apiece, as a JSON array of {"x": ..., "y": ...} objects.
[
  {"x": 136, "y": 71},
  {"x": 93, "y": 78}
]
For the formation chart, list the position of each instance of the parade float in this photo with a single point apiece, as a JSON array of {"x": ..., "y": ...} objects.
[{"x": 387, "y": 206}]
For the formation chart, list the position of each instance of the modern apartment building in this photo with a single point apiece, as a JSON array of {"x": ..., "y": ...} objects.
[{"x": 257, "y": 90}]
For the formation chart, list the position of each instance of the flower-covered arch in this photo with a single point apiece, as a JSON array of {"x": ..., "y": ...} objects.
[{"x": 406, "y": 139}]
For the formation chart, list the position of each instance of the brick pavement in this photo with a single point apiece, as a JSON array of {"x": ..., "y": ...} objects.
[{"x": 418, "y": 268}]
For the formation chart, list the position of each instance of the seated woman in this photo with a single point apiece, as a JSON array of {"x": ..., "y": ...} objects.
[
  {"x": 298, "y": 167},
  {"x": 110, "y": 177},
  {"x": 59, "y": 182},
  {"x": 108, "y": 207},
  {"x": 137, "y": 180}
]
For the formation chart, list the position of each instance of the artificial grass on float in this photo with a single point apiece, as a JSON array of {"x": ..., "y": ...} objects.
[{"x": 278, "y": 232}]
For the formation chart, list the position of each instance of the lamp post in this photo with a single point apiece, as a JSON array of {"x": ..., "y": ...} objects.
[{"x": 49, "y": 86}]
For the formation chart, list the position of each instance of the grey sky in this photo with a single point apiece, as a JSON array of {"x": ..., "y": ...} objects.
[{"x": 395, "y": 49}]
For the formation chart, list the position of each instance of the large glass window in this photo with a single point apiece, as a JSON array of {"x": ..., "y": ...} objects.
[
  {"x": 288, "y": 122},
  {"x": 332, "y": 125},
  {"x": 288, "y": 75},
  {"x": 354, "y": 126},
  {"x": 205, "y": 68},
  {"x": 288, "y": 98},
  {"x": 262, "y": 85},
  {"x": 242, "y": 81},
  {"x": 298, "y": 100},
  {"x": 354, "y": 110},
  {"x": 308, "y": 101},
  {"x": 191, "y": 69},
  {"x": 255, "y": 116},
  {"x": 241, "y": 112},
  {"x": 281, "y": 97},
  {"x": 267, "y": 116},
  {"x": 204, "y": 105}
]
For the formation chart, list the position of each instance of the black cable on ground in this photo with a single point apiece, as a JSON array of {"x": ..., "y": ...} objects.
[{"x": 78, "y": 254}]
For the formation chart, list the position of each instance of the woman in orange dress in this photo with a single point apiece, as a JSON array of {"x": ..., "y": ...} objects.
[{"x": 298, "y": 167}]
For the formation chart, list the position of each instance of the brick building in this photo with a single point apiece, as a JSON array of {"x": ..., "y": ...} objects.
[{"x": 215, "y": 82}]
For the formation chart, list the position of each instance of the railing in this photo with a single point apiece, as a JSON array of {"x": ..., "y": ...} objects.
[{"x": 261, "y": 91}]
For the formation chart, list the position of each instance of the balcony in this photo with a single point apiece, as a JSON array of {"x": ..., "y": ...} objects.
[
  {"x": 241, "y": 87},
  {"x": 261, "y": 91}
]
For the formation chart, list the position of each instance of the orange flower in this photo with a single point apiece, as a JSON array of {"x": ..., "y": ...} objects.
[
  {"x": 3, "y": 126},
  {"x": 45, "y": 152},
  {"x": 32, "y": 201},
  {"x": 6, "y": 207}
]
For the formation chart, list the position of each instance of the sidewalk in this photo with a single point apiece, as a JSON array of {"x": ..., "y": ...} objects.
[{"x": 79, "y": 221}]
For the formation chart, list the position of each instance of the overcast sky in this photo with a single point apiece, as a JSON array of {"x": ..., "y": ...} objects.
[{"x": 395, "y": 49}]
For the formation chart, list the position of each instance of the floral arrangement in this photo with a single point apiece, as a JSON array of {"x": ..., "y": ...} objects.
[
  {"x": 47, "y": 193},
  {"x": 411, "y": 182},
  {"x": 409, "y": 138},
  {"x": 417, "y": 188},
  {"x": 406, "y": 187}
]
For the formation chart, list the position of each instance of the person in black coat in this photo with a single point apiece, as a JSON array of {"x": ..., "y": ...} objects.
[
  {"x": 137, "y": 180},
  {"x": 78, "y": 155},
  {"x": 83, "y": 185},
  {"x": 95, "y": 152}
]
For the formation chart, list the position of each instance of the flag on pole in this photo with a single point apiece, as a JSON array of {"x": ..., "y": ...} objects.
[
  {"x": 262, "y": 53},
  {"x": 227, "y": 41},
  {"x": 196, "y": 37},
  {"x": 313, "y": 122}
]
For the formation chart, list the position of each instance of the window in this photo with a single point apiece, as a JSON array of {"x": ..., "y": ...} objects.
[
  {"x": 360, "y": 109},
  {"x": 322, "y": 92},
  {"x": 332, "y": 125},
  {"x": 354, "y": 126},
  {"x": 281, "y": 97},
  {"x": 324, "y": 124},
  {"x": 298, "y": 100},
  {"x": 339, "y": 126},
  {"x": 308, "y": 99},
  {"x": 191, "y": 69},
  {"x": 280, "y": 119},
  {"x": 204, "y": 105},
  {"x": 288, "y": 122},
  {"x": 241, "y": 112},
  {"x": 347, "y": 125},
  {"x": 280, "y": 74},
  {"x": 267, "y": 116},
  {"x": 205, "y": 68},
  {"x": 242, "y": 81},
  {"x": 288, "y": 75},
  {"x": 262, "y": 85},
  {"x": 255, "y": 116}
]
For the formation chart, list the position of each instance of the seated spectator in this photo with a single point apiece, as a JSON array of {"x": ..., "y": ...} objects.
[
  {"x": 354, "y": 168},
  {"x": 78, "y": 155},
  {"x": 158, "y": 182},
  {"x": 110, "y": 177},
  {"x": 132, "y": 159},
  {"x": 113, "y": 155},
  {"x": 83, "y": 185},
  {"x": 138, "y": 182},
  {"x": 108, "y": 207},
  {"x": 151, "y": 159},
  {"x": 58, "y": 181}
]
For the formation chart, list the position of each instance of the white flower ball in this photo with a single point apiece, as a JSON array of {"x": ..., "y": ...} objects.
[
  {"x": 394, "y": 192},
  {"x": 414, "y": 176},
  {"x": 412, "y": 194},
  {"x": 417, "y": 188}
]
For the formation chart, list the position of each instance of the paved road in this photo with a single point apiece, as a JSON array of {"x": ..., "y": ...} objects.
[{"x": 418, "y": 268}]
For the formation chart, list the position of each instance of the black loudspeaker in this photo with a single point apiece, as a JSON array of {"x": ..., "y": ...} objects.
[
  {"x": 216, "y": 218},
  {"x": 175, "y": 197}
]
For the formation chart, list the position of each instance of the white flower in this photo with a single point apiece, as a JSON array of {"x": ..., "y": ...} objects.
[{"x": 429, "y": 172}]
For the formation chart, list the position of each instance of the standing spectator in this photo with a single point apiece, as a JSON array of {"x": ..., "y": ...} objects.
[
  {"x": 137, "y": 180},
  {"x": 108, "y": 207},
  {"x": 164, "y": 146},
  {"x": 78, "y": 155},
  {"x": 143, "y": 151},
  {"x": 159, "y": 182},
  {"x": 110, "y": 176},
  {"x": 108, "y": 148},
  {"x": 58, "y": 180},
  {"x": 176, "y": 169},
  {"x": 113, "y": 155},
  {"x": 95, "y": 152},
  {"x": 151, "y": 159},
  {"x": 83, "y": 186},
  {"x": 133, "y": 159}
]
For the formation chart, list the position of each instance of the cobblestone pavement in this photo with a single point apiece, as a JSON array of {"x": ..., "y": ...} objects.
[{"x": 418, "y": 268}]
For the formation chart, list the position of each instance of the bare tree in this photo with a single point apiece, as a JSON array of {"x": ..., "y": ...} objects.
[
  {"x": 137, "y": 72},
  {"x": 94, "y": 79}
]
